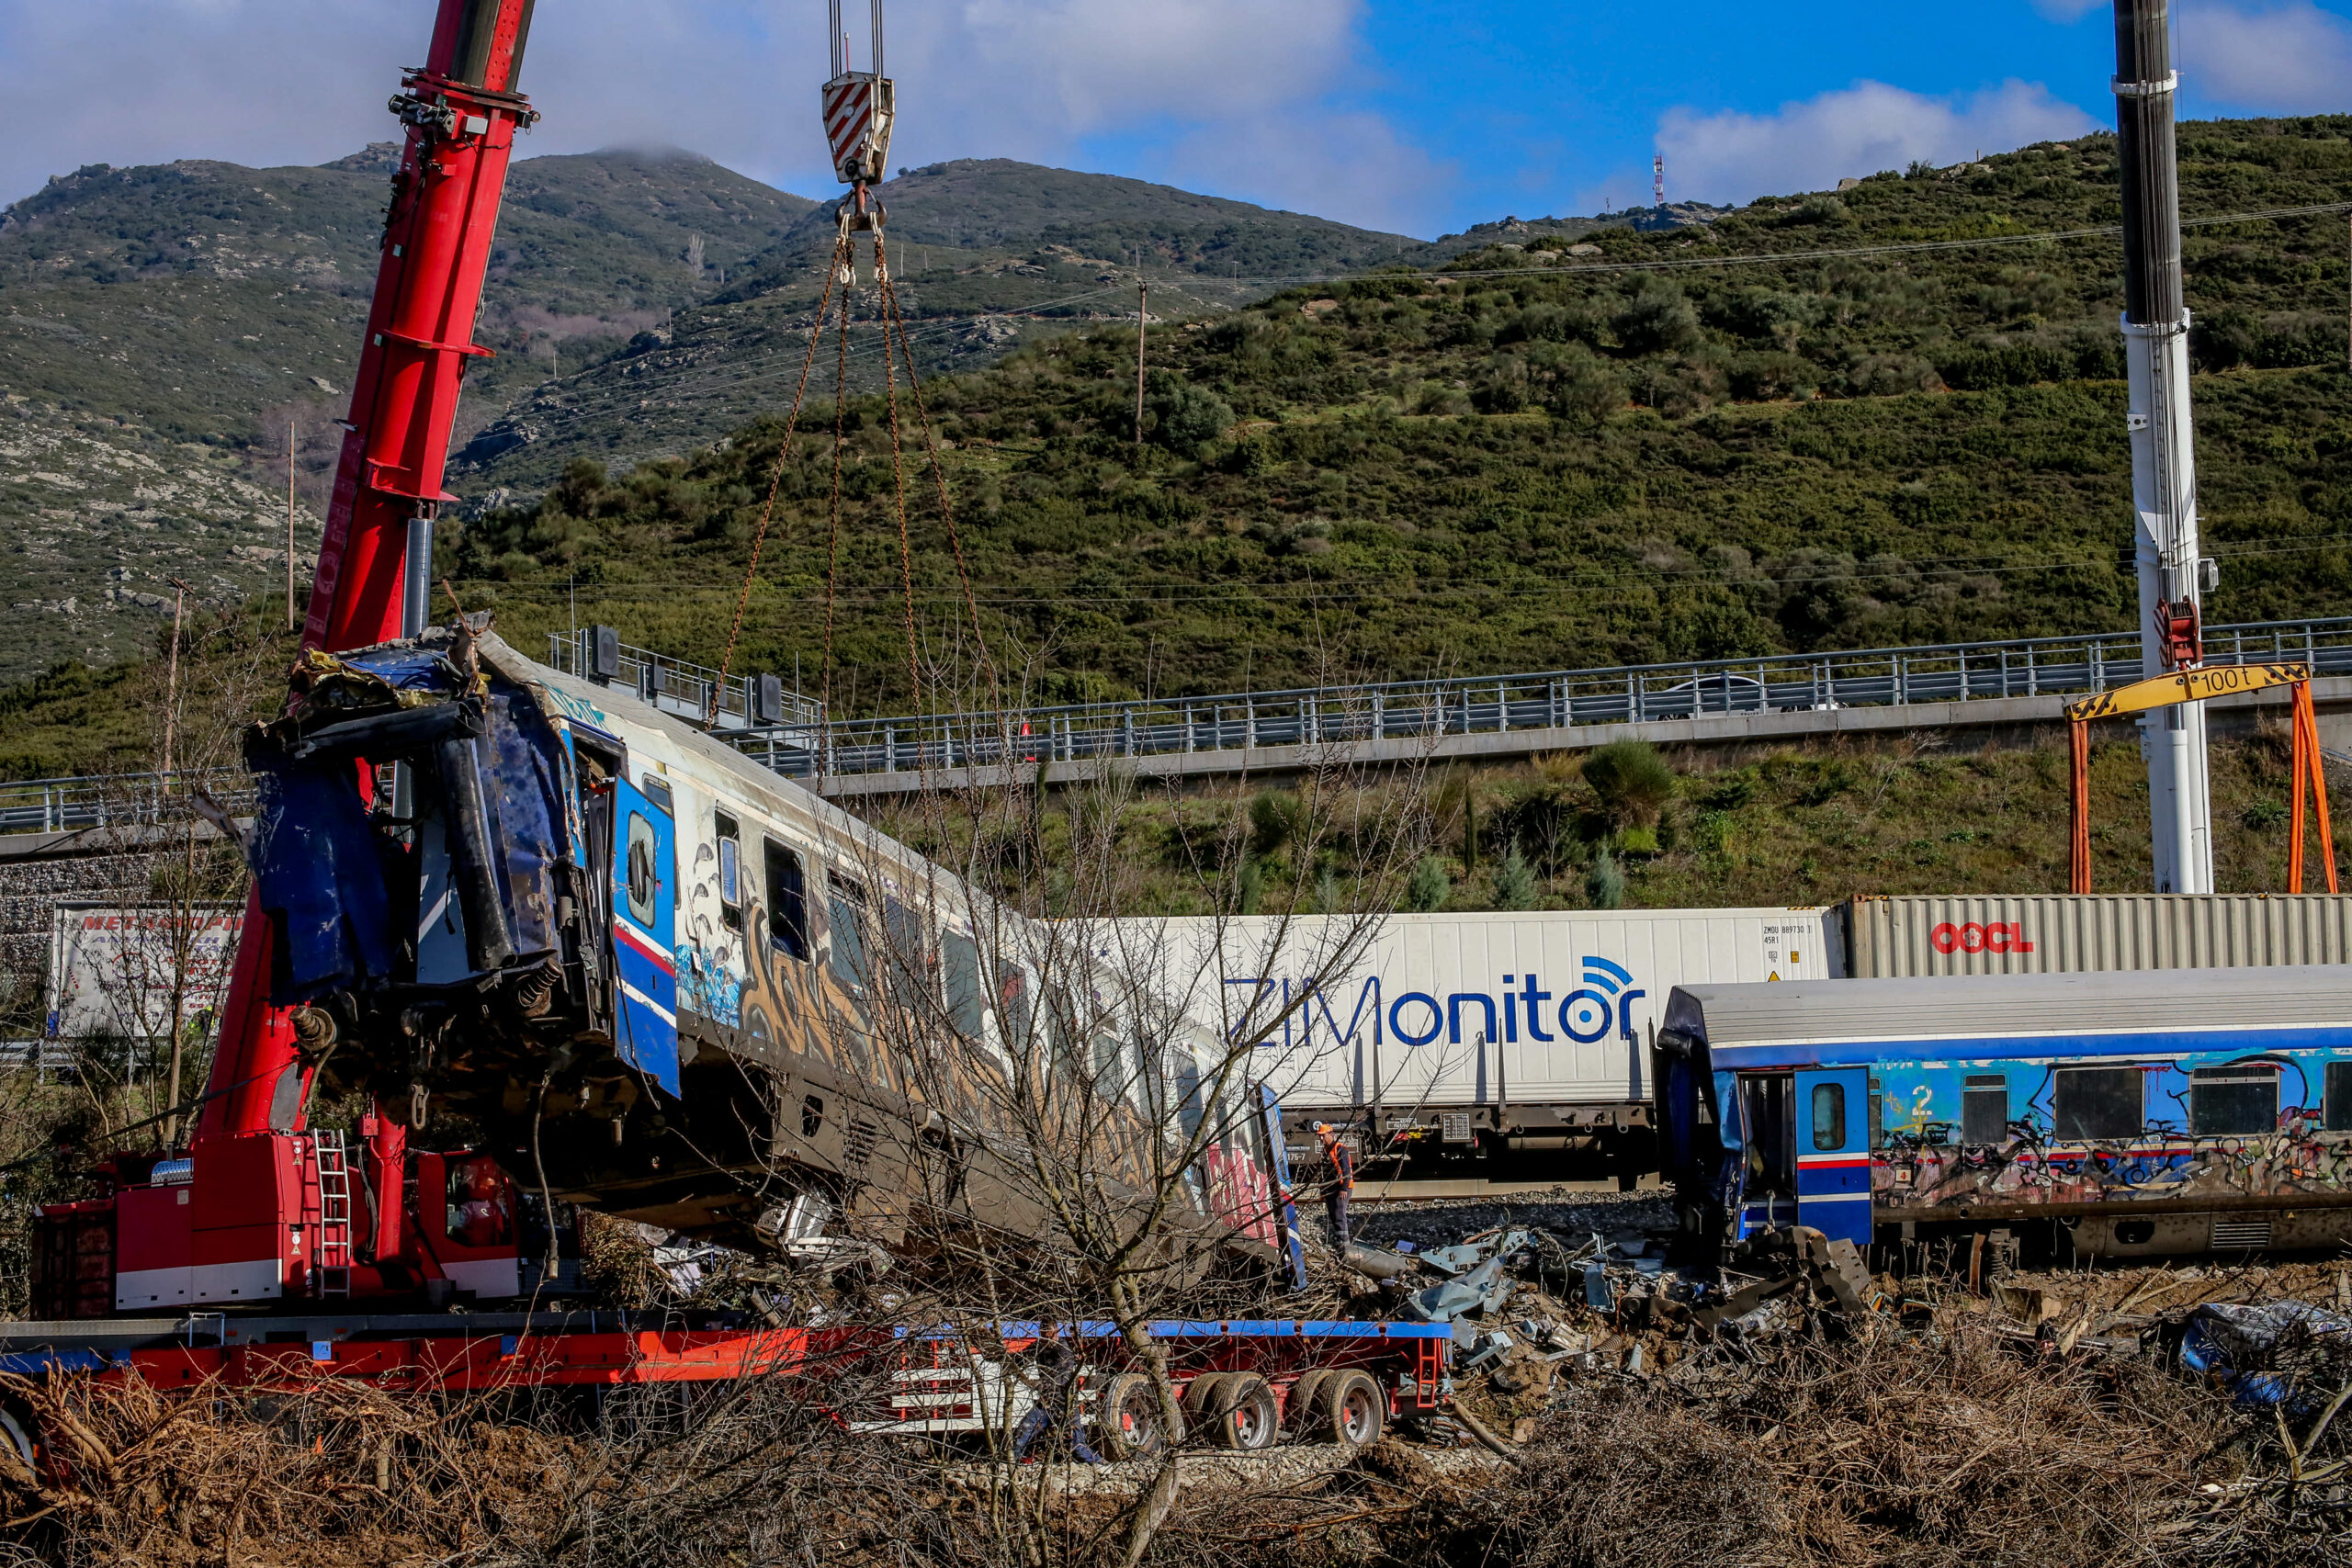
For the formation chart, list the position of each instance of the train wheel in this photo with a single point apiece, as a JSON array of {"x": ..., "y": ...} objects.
[
  {"x": 1248, "y": 1421},
  {"x": 1126, "y": 1419},
  {"x": 1305, "y": 1406}
]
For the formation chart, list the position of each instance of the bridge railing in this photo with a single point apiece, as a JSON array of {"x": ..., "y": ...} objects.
[
  {"x": 681, "y": 687},
  {"x": 117, "y": 800},
  {"x": 1557, "y": 699},
  {"x": 1551, "y": 700}
]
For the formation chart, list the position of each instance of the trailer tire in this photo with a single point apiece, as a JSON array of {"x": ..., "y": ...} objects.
[
  {"x": 1353, "y": 1413},
  {"x": 1248, "y": 1420},
  {"x": 1126, "y": 1419},
  {"x": 1305, "y": 1404},
  {"x": 17, "y": 1428},
  {"x": 1205, "y": 1402}
]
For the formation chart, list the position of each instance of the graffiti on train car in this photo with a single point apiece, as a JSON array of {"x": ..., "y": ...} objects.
[{"x": 1953, "y": 1134}]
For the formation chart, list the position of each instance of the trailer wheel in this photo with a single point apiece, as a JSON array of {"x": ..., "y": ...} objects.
[
  {"x": 1354, "y": 1411},
  {"x": 1206, "y": 1400},
  {"x": 1305, "y": 1404},
  {"x": 1126, "y": 1419},
  {"x": 16, "y": 1427},
  {"x": 1247, "y": 1422}
]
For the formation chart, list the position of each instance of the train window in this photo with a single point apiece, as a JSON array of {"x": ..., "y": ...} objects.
[
  {"x": 657, "y": 790},
  {"x": 787, "y": 888},
  {"x": 1829, "y": 1116},
  {"x": 966, "y": 1006},
  {"x": 643, "y": 876},
  {"x": 909, "y": 946},
  {"x": 730, "y": 872},
  {"x": 1984, "y": 1109},
  {"x": 2233, "y": 1100},
  {"x": 2335, "y": 1113},
  {"x": 2096, "y": 1103},
  {"x": 1062, "y": 1021},
  {"x": 846, "y": 909},
  {"x": 1189, "y": 1108},
  {"x": 1110, "y": 1065},
  {"x": 1013, "y": 1004}
]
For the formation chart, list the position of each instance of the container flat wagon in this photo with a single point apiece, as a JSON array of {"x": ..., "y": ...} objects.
[
  {"x": 2108, "y": 1114},
  {"x": 1451, "y": 1039}
]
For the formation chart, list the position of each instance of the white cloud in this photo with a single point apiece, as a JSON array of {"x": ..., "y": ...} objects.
[
  {"x": 2290, "y": 59},
  {"x": 1351, "y": 167},
  {"x": 1855, "y": 130},
  {"x": 2069, "y": 10},
  {"x": 290, "y": 81}
]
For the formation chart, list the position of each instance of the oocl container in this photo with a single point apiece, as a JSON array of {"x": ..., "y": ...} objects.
[{"x": 2040, "y": 933}]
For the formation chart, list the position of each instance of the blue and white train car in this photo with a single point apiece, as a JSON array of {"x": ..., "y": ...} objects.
[
  {"x": 2115, "y": 1113},
  {"x": 665, "y": 982}
]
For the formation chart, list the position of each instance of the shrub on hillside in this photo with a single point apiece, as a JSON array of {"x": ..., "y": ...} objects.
[{"x": 1632, "y": 780}]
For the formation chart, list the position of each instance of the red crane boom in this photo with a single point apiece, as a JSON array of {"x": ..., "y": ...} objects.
[{"x": 265, "y": 1208}]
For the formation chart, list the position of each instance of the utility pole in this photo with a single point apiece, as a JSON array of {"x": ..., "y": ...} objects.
[
  {"x": 290, "y": 525},
  {"x": 172, "y": 686},
  {"x": 1143, "y": 309},
  {"x": 2164, "y": 474}
]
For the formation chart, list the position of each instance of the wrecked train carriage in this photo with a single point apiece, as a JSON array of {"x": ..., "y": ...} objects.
[
  {"x": 688, "y": 990},
  {"x": 2108, "y": 1114}
]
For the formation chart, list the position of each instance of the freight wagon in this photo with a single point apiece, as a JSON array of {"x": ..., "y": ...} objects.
[
  {"x": 1456, "y": 1038},
  {"x": 2111, "y": 1114}
]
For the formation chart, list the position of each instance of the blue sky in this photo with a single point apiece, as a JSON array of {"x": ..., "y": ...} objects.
[{"x": 1423, "y": 118}]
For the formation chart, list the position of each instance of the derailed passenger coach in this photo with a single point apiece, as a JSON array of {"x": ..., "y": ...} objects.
[
  {"x": 2109, "y": 1114},
  {"x": 673, "y": 985}
]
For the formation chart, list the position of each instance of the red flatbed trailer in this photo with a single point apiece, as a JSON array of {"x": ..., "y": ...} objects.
[{"x": 1277, "y": 1374}]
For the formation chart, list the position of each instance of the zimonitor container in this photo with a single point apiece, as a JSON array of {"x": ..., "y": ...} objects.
[
  {"x": 1535, "y": 1023},
  {"x": 2043, "y": 933}
]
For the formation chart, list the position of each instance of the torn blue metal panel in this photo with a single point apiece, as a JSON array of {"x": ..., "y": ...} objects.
[
  {"x": 405, "y": 667},
  {"x": 315, "y": 859},
  {"x": 523, "y": 774}
]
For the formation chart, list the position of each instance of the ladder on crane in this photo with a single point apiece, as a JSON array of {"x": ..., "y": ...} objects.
[{"x": 328, "y": 1202}]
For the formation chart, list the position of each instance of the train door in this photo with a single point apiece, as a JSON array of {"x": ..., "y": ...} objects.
[
  {"x": 1767, "y": 1186},
  {"x": 1833, "y": 1153},
  {"x": 645, "y": 898}
]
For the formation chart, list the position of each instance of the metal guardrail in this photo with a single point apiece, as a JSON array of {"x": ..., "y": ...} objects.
[
  {"x": 680, "y": 687},
  {"x": 117, "y": 800},
  {"x": 1552, "y": 700}
]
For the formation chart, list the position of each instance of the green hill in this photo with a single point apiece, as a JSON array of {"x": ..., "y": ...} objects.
[
  {"x": 989, "y": 254},
  {"x": 161, "y": 327},
  {"x": 1820, "y": 420},
  {"x": 188, "y": 297}
]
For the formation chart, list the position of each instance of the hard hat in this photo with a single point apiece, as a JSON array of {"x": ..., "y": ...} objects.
[{"x": 1322, "y": 1126}]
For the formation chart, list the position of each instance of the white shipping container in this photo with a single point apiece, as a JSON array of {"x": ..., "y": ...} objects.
[{"x": 1443, "y": 1012}]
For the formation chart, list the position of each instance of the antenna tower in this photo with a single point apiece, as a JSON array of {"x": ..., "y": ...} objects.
[{"x": 1657, "y": 177}]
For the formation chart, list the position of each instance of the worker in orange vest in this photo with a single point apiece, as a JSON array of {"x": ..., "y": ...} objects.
[{"x": 1339, "y": 1178}]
